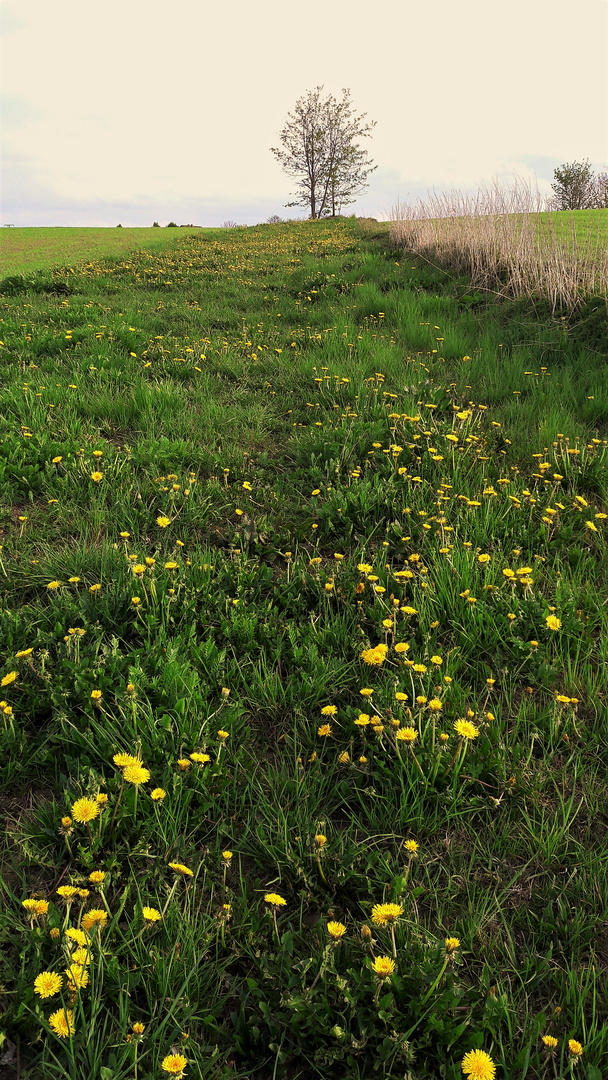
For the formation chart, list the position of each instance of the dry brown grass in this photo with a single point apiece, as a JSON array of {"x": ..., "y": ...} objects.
[{"x": 507, "y": 243}]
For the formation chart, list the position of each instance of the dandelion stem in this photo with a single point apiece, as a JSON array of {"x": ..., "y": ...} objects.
[
  {"x": 429, "y": 992},
  {"x": 169, "y": 898},
  {"x": 117, "y": 803}
]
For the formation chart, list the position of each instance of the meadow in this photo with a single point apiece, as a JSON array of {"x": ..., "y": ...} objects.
[{"x": 304, "y": 669}]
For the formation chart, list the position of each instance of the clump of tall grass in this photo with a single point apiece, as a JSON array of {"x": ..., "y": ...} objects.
[{"x": 506, "y": 242}]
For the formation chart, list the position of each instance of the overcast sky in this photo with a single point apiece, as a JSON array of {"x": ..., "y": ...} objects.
[{"x": 142, "y": 111}]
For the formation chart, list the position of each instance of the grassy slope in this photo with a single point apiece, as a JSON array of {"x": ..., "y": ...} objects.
[{"x": 195, "y": 386}]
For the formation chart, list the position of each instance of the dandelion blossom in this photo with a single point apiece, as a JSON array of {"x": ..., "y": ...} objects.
[
  {"x": 550, "y": 1041},
  {"x": 136, "y": 774},
  {"x": 451, "y": 943},
  {"x": 62, "y": 1023},
  {"x": 553, "y": 623},
  {"x": 85, "y": 810},
  {"x": 122, "y": 760},
  {"x": 324, "y": 730},
  {"x": 329, "y": 710},
  {"x": 47, "y": 984},
  {"x": 383, "y": 966},
  {"x": 158, "y": 794},
  {"x": 8, "y": 679},
  {"x": 174, "y": 1063},
  {"x": 466, "y": 730},
  {"x": 94, "y": 917},
  {"x": 411, "y": 846},
  {"x": 386, "y": 913},
  {"x": 163, "y": 521},
  {"x": 478, "y": 1065},
  {"x": 179, "y": 868},
  {"x": 275, "y": 899},
  {"x": 150, "y": 914},
  {"x": 336, "y": 930},
  {"x": 406, "y": 734},
  {"x": 575, "y": 1048},
  {"x": 78, "y": 976}
]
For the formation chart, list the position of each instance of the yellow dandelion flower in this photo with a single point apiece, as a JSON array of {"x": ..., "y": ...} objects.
[
  {"x": 324, "y": 730},
  {"x": 386, "y": 913},
  {"x": 366, "y": 692},
  {"x": 179, "y": 868},
  {"x": 62, "y": 1023},
  {"x": 79, "y": 936},
  {"x": 435, "y": 705},
  {"x": 94, "y": 917},
  {"x": 466, "y": 730},
  {"x": 96, "y": 476},
  {"x": 174, "y": 1063},
  {"x": 138, "y": 1029},
  {"x": 77, "y": 976},
  {"x": 163, "y": 521},
  {"x": 47, "y": 984},
  {"x": 336, "y": 930},
  {"x": 406, "y": 735},
  {"x": 151, "y": 915},
  {"x": 478, "y": 1065},
  {"x": 67, "y": 892},
  {"x": 122, "y": 760},
  {"x": 401, "y": 647},
  {"x": 575, "y": 1048},
  {"x": 329, "y": 710},
  {"x": 8, "y": 679},
  {"x": 85, "y": 810},
  {"x": 411, "y": 846},
  {"x": 97, "y": 877},
  {"x": 136, "y": 774},
  {"x": 158, "y": 794},
  {"x": 362, "y": 720},
  {"x": 275, "y": 900},
  {"x": 451, "y": 944},
  {"x": 383, "y": 966},
  {"x": 553, "y": 623},
  {"x": 200, "y": 759},
  {"x": 550, "y": 1041}
]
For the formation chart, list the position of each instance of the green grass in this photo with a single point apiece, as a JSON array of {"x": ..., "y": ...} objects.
[
  {"x": 24, "y": 250},
  {"x": 258, "y": 455}
]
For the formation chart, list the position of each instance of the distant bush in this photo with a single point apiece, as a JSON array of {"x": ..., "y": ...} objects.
[
  {"x": 274, "y": 219},
  {"x": 173, "y": 225},
  {"x": 119, "y": 226},
  {"x": 155, "y": 225}
]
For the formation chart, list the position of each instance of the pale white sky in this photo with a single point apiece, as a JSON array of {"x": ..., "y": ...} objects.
[{"x": 136, "y": 111}]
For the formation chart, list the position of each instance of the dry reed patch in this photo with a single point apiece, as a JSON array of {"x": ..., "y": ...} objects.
[{"x": 505, "y": 244}]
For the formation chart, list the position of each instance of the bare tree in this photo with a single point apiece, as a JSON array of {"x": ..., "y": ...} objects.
[
  {"x": 319, "y": 149},
  {"x": 600, "y": 192}
]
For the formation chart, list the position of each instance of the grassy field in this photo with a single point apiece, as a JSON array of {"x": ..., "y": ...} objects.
[
  {"x": 25, "y": 250},
  {"x": 303, "y": 577}
]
